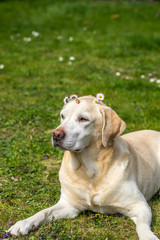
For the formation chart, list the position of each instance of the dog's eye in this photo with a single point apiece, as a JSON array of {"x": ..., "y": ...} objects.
[
  {"x": 62, "y": 116},
  {"x": 82, "y": 119}
]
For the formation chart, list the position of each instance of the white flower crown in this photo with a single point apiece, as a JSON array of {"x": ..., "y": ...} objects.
[{"x": 99, "y": 97}]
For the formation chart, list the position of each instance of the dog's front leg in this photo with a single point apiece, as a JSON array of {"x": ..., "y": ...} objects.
[
  {"x": 61, "y": 210},
  {"x": 142, "y": 216}
]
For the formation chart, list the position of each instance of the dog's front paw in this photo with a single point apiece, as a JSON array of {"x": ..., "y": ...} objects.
[
  {"x": 155, "y": 238},
  {"x": 150, "y": 237},
  {"x": 21, "y": 227}
]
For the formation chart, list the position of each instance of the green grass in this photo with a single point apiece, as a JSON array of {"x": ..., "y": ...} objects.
[{"x": 108, "y": 37}]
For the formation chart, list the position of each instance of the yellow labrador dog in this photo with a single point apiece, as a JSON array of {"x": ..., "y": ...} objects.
[{"x": 101, "y": 170}]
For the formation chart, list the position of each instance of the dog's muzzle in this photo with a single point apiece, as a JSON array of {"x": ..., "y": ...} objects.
[{"x": 58, "y": 135}]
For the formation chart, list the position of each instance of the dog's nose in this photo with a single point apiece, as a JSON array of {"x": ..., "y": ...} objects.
[{"x": 58, "y": 134}]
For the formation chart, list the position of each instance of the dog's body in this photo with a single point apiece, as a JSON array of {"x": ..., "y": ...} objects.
[
  {"x": 102, "y": 171},
  {"x": 121, "y": 170}
]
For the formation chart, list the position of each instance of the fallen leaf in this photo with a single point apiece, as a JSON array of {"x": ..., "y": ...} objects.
[
  {"x": 14, "y": 179},
  {"x": 114, "y": 16}
]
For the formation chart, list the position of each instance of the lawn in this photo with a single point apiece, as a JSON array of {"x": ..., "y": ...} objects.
[{"x": 52, "y": 49}]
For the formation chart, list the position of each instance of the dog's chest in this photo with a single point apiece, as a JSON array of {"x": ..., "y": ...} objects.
[
  {"x": 87, "y": 194},
  {"x": 95, "y": 192},
  {"x": 93, "y": 196}
]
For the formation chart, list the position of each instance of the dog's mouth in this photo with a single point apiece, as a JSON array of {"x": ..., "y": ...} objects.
[
  {"x": 58, "y": 145},
  {"x": 78, "y": 150},
  {"x": 65, "y": 149},
  {"x": 70, "y": 146}
]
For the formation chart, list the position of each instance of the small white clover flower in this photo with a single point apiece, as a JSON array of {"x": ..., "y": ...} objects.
[
  {"x": 142, "y": 76},
  {"x": 71, "y": 58},
  {"x": 27, "y": 39},
  {"x": 118, "y": 74},
  {"x": 158, "y": 81},
  {"x": 100, "y": 96},
  {"x": 66, "y": 100},
  {"x": 70, "y": 39},
  {"x": 35, "y": 34},
  {"x": 69, "y": 63},
  {"x": 60, "y": 59},
  {"x": 152, "y": 80},
  {"x": 2, "y": 66}
]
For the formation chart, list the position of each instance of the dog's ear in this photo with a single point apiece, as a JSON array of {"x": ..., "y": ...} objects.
[{"x": 112, "y": 125}]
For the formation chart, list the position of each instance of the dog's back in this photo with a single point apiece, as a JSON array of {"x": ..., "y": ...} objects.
[{"x": 146, "y": 147}]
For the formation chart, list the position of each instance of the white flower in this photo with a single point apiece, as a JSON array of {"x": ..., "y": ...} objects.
[
  {"x": 127, "y": 77},
  {"x": 152, "y": 79},
  {"x": 142, "y": 76},
  {"x": 66, "y": 100},
  {"x": 95, "y": 100},
  {"x": 100, "y": 96},
  {"x": 60, "y": 59},
  {"x": 84, "y": 28},
  {"x": 149, "y": 74},
  {"x": 158, "y": 81},
  {"x": 12, "y": 37},
  {"x": 70, "y": 39},
  {"x": 2, "y": 66},
  {"x": 118, "y": 74},
  {"x": 71, "y": 58},
  {"x": 27, "y": 39},
  {"x": 35, "y": 34},
  {"x": 69, "y": 63},
  {"x": 73, "y": 96},
  {"x": 59, "y": 37}
]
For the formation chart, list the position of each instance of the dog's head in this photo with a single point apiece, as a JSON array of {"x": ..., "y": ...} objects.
[{"x": 86, "y": 122}]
